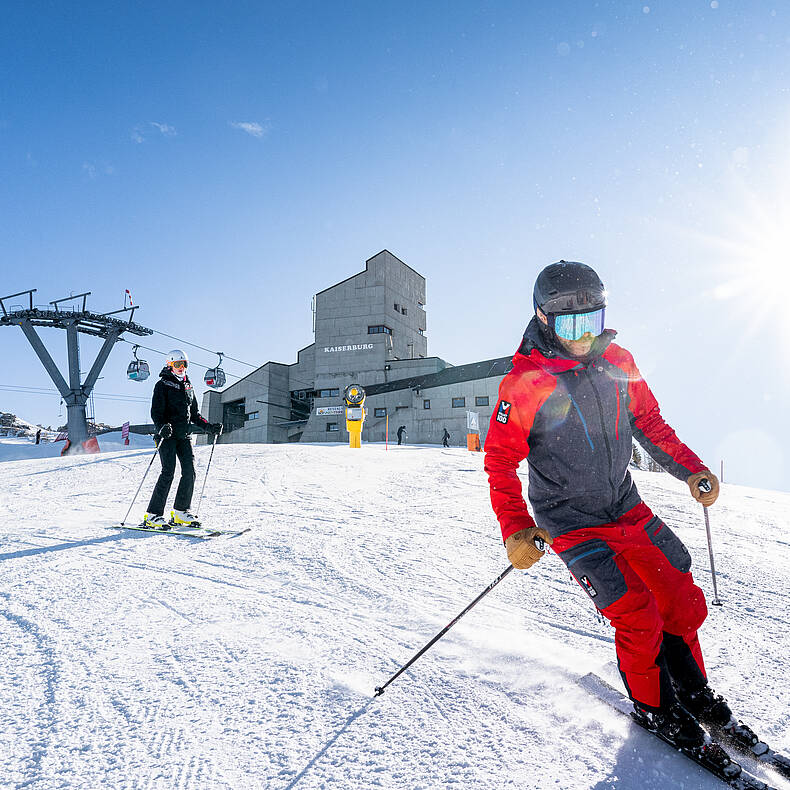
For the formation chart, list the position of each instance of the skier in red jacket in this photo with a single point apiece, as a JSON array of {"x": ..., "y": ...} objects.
[{"x": 571, "y": 405}]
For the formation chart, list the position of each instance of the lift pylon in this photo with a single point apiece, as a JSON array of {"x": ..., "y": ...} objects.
[{"x": 75, "y": 321}]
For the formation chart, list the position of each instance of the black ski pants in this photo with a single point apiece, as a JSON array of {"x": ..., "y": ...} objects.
[{"x": 168, "y": 450}]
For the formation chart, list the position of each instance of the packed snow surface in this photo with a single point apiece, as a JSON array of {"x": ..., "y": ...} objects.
[
  {"x": 137, "y": 660},
  {"x": 24, "y": 448}
]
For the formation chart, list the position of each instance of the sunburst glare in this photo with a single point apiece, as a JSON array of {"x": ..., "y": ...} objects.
[{"x": 753, "y": 249}]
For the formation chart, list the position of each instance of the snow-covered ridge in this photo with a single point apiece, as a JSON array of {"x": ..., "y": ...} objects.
[
  {"x": 12, "y": 425},
  {"x": 146, "y": 661}
]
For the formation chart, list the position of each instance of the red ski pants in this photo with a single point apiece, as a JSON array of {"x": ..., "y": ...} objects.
[{"x": 636, "y": 571}]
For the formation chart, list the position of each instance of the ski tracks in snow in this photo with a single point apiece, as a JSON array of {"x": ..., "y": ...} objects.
[{"x": 143, "y": 661}]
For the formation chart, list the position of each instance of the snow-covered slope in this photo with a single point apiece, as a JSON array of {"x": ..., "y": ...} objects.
[
  {"x": 23, "y": 448},
  {"x": 135, "y": 660}
]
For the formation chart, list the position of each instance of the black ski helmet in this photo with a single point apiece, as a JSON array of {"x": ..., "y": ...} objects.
[{"x": 568, "y": 287}]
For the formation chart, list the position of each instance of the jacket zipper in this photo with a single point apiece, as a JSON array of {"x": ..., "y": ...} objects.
[
  {"x": 617, "y": 418},
  {"x": 603, "y": 430}
]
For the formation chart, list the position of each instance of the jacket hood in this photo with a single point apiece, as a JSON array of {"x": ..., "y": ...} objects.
[{"x": 540, "y": 344}]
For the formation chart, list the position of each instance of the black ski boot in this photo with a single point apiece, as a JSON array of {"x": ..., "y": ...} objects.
[
  {"x": 713, "y": 711},
  {"x": 674, "y": 724},
  {"x": 707, "y": 706}
]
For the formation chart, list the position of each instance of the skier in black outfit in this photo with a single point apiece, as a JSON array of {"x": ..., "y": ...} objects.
[
  {"x": 401, "y": 434},
  {"x": 173, "y": 410},
  {"x": 445, "y": 438}
]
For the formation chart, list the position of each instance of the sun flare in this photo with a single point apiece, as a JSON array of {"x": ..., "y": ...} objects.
[{"x": 753, "y": 264}]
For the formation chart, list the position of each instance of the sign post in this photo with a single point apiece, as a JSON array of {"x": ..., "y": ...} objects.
[{"x": 473, "y": 431}]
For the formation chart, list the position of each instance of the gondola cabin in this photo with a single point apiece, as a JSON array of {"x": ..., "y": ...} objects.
[
  {"x": 214, "y": 378},
  {"x": 138, "y": 369}
]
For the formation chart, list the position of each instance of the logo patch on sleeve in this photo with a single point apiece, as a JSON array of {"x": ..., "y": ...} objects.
[{"x": 503, "y": 412}]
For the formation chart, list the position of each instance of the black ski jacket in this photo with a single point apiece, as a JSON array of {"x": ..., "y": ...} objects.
[{"x": 174, "y": 402}]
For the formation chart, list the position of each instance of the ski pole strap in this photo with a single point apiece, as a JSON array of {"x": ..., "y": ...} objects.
[{"x": 380, "y": 689}]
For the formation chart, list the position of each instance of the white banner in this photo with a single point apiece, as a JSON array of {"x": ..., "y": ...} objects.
[
  {"x": 329, "y": 411},
  {"x": 472, "y": 421}
]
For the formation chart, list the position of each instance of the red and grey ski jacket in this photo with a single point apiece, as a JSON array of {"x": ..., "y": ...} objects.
[{"x": 574, "y": 421}]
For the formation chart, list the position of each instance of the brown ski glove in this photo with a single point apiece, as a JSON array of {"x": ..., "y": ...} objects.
[
  {"x": 707, "y": 498},
  {"x": 521, "y": 549}
]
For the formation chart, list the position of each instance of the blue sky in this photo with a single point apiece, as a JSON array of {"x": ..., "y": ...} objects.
[{"x": 226, "y": 161}]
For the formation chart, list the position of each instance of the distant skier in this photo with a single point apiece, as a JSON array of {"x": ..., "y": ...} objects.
[
  {"x": 401, "y": 434},
  {"x": 173, "y": 410},
  {"x": 570, "y": 406},
  {"x": 38, "y": 436},
  {"x": 445, "y": 438}
]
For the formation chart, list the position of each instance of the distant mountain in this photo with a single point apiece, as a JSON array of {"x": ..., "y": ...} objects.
[{"x": 11, "y": 425}]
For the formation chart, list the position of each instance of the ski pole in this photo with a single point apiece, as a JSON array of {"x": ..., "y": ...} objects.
[
  {"x": 704, "y": 485},
  {"x": 208, "y": 466},
  {"x": 380, "y": 689},
  {"x": 148, "y": 469}
]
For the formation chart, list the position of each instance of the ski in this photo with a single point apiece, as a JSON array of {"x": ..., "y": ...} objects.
[
  {"x": 742, "y": 738},
  {"x": 713, "y": 758},
  {"x": 199, "y": 532}
]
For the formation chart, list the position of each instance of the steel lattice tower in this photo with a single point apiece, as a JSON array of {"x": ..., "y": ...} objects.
[{"x": 75, "y": 393}]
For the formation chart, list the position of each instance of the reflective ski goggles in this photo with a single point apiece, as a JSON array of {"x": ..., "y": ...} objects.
[
  {"x": 573, "y": 326},
  {"x": 179, "y": 363}
]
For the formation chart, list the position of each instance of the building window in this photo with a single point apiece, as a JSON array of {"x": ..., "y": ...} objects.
[
  {"x": 421, "y": 331},
  {"x": 233, "y": 414},
  {"x": 481, "y": 400},
  {"x": 253, "y": 415},
  {"x": 380, "y": 412},
  {"x": 331, "y": 393},
  {"x": 426, "y": 404},
  {"x": 459, "y": 403},
  {"x": 332, "y": 426},
  {"x": 403, "y": 311},
  {"x": 397, "y": 307},
  {"x": 379, "y": 329}
]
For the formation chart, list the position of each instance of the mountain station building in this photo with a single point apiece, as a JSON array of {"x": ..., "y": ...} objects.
[{"x": 370, "y": 329}]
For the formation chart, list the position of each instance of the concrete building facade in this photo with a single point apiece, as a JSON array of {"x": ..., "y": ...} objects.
[{"x": 370, "y": 329}]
